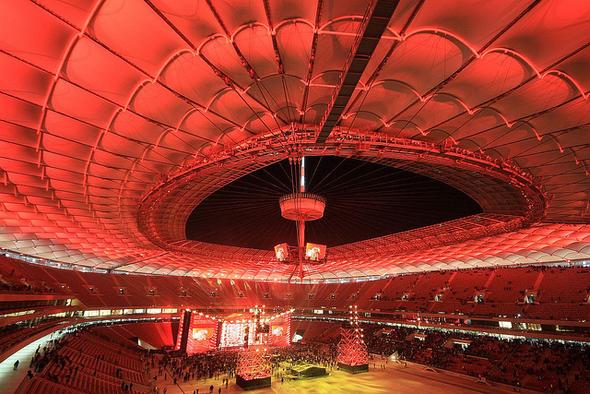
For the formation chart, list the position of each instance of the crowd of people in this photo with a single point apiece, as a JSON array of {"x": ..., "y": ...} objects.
[
  {"x": 184, "y": 368},
  {"x": 48, "y": 353},
  {"x": 52, "y": 362},
  {"x": 174, "y": 369},
  {"x": 13, "y": 334},
  {"x": 308, "y": 353},
  {"x": 313, "y": 353},
  {"x": 538, "y": 365}
]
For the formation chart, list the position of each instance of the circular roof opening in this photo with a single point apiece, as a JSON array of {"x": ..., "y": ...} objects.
[{"x": 366, "y": 200}]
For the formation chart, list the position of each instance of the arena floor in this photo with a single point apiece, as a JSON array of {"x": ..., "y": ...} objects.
[{"x": 413, "y": 379}]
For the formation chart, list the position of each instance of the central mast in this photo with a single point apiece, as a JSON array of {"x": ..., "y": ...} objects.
[
  {"x": 301, "y": 207},
  {"x": 301, "y": 222}
]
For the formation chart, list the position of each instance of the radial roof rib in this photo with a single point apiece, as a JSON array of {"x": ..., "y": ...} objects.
[{"x": 373, "y": 28}]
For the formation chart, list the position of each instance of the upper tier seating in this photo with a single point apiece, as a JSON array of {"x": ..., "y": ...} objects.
[
  {"x": 19, "y": 278},
  {"x": 502, "y": 289},
  {"x": 565, "y": 285},
  {"x": 509, "y": 286}
]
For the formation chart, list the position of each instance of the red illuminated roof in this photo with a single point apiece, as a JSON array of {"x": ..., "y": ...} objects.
[{"x": 117, "y": 117}]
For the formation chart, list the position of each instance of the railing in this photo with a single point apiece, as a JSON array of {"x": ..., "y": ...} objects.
[{"x": 308, "y": 196}]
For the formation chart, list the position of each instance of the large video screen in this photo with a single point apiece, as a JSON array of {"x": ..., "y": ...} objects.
[
  {"x": 280, "y": 331},
  {"x": 315, "y": 252},
  {"x": 282, "y": 252},
  {"x": 275, "y": 332},
  {"x": 298, "y": 336},
  {"x": 202, "y": 335}
]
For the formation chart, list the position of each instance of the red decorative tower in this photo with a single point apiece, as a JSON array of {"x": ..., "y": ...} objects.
[
  {"x": 353, "y": 355},
  {"x": 253, "y": 370}
]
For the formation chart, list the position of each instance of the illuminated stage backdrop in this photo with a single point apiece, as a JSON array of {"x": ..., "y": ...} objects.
[
  {"x": 199, "y": 332},
  {"x": 256, "y": 329},
  {"x": 235, "y": 333},
  {"x": 199, "y": 335}
]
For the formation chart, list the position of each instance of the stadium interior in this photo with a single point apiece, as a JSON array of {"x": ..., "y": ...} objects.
[{"x": 279, "y": 196}]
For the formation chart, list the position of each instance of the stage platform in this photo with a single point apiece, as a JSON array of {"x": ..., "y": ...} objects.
[
  {"x": 253, "y": 384},
  {"x": 306, "y": 371},
  {"x": 354, "y": 368}
]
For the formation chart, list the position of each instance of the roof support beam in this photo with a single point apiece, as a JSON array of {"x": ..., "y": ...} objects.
[{"x": 374, "y": 24}]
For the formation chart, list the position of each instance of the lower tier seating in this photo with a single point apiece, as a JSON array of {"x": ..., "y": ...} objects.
[{"x": 84, "y": 362}]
